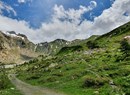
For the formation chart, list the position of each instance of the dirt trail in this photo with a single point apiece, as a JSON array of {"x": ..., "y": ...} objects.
[{"x": 28, "y": 89}]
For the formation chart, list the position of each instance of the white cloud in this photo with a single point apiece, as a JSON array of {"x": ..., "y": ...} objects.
[
  {"x": 6, "y": 7},
  {"x": 67, "y": 24},
  {"x": 108, "y": 20},
  {"x": 24, "y": 1},
  {"x": 112, "y": 17},
  {"x": 8, "y": 24},
  {"x": 72, "y": 14},
  {"x": 21, "y": 1},
  {"x": 93, "y": 4}
]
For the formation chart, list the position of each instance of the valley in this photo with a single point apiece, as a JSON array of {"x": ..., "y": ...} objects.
[{"x": 99, "y": 65}]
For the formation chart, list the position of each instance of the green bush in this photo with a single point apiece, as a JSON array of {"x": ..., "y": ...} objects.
[
  {"x": 125, "y": 49},
  {"x": 4, "y": 81},
  {"x": 65, "y": 50},
  {"x": 125, "y": 46},
  {"x": 51, "y": 79},
  {"x": 92, "y": 45},
  {"x": 95, "y": 82}
]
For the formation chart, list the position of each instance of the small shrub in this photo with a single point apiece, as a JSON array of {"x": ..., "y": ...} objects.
[
  {"x": 58, "y": 74},
  {"x": 125, "y": 47},
  {"x": 92, "y": 45},
  {"x": 51, "y": 79},
  {"x": 4, "y": 81},
  {"x": 33, "y": 77},
  {"x": 93, "y": 81}
]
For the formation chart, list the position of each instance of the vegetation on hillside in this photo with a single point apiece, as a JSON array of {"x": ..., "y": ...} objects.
[
  {"x": 4, "y": 81},
  {"x": 6, "y": 88},
  {"x": 65, "y": 50},
  {"x": 102, "y": 68}
]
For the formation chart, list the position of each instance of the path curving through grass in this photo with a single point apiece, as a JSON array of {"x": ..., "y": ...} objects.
[{"x": 27, "y": 89}]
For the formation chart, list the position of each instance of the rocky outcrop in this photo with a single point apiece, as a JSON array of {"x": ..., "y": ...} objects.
[
  {"x": 15, "y": 47},
  {"x": 51, "y": 47}
]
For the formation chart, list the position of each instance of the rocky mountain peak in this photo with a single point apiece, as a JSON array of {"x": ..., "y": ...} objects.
[{"x": 15, "y": 48}]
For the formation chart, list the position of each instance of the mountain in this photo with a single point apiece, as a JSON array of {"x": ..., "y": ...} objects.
[
  {"x": 52, "y": 48},
  {"x": 15, "y": 48}
]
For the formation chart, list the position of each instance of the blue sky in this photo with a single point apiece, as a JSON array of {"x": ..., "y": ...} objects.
[
  {"x": 38, "y": 11},
  {"x": 47, "y": 20}
]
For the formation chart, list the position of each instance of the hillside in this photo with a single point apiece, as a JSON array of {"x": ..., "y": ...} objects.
[
  {"x": 15, "y": 48},
  {"x": 101, "y": 67},
  {"x": 114, "y": 37}
]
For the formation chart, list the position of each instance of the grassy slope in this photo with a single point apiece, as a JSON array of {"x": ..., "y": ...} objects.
[
  {"x": 6, "y": 88},
  {"x": 87, "y": 72},
  {"x": 10, "y": 91}
]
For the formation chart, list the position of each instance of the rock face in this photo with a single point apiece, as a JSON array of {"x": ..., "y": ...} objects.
[
  {"x": 15, "y": 40},
  {"x": 51, "y": 47},
  {"x": 15, "y": 47}
]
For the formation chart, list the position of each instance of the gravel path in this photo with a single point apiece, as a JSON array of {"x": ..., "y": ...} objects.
[{"x": 28, "y": 89}]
